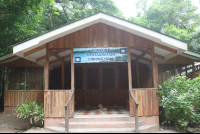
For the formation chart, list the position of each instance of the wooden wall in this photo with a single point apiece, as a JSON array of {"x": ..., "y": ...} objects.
[
  {"x": 54, "y": 102},
  {"x": 178, "y": 60},
  {"x": 148, "y": 102},
  {"x": 99, "y": 35},
  {"x": 23, "y": 63},
  {"x": 14, "y": 98}
]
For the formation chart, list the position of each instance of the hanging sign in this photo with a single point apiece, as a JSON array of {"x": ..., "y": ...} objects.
[{"x": 100, "y": 55}]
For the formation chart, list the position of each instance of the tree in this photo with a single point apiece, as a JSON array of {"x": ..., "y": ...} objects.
[{"x": 176, "y": 18}]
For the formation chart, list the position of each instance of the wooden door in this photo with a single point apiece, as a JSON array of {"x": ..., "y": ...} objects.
[
  {"x": 92, "y": 92},
  {"x": 108, "y": 85}
]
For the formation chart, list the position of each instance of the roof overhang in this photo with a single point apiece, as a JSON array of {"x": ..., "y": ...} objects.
[{"x": 160, "y": 38}]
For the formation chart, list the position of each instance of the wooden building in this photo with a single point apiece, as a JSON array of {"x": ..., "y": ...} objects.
[{"x": 46, "y": 63}]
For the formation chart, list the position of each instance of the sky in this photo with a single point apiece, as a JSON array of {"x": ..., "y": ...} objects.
[{"x": 129, "y": 9}]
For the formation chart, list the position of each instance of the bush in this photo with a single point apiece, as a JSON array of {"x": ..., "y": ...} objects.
[
  {"x": 32, "y": 113},
  {"x": 179, "y": 99}
]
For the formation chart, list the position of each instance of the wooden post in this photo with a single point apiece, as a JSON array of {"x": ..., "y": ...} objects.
[
  {"x": 138, "y": 76},
  {"x": 193, "y": 68},
  {"x": 72, "y": 71},
  {"x": 6, "y": 85},
  {"x": 175, "y": 69},
  {"x": 154, "y": 72},
  {"x": 186, "y": 71},
  {"x": 46, "y": 69},
  {"x": 129, "y": 70},
  {"x": 25, "y": 78},
  {"x": 63, "y": 75}
]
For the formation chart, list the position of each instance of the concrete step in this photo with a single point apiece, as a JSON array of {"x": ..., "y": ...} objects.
[
  {"x": 142, "y": 129},
  {"x": 107, "y": 124},
  {"x": 101, "y": 119}
]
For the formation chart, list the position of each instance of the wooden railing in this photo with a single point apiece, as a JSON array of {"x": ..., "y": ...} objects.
[
  {"x": 136, "y": 112},
  {"x": 67, "y": 113}
]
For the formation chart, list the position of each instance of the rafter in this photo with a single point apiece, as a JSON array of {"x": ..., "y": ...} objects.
[
  {"x": 143, "y": 58},
  {"x": 149, "y": 53},
  {"x": 56, "y": 60},
  {"x": 60, "y": 65},
  {"x": 34, "y": 50},
  {"x": 43, "y": 57},
  {"x": 57, "y": 56},
  {"x": 143, "y": 54},
  {"x": 166, "y": 48}
]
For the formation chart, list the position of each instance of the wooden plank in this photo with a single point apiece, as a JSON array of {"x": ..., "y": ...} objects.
[
  {"x": 63, "y": 75},
  {"x": 143, "y": 58},
  {"x": 143, "y": 54},
  {"x": 12, "y": 99},
  {"x": 144, "y": 102},
  {"x": 132, "y": 104},
  {"x": 15, "y": 98},
  {"x": 149, "y": 102},
  {"x": 6, "y": 85},
  {"x": 46, "y": 69},
  {"x": 155, "y": 105},
  {"x": 138, "y": 75},
  {"x": 34, "y": 50},
  {"x": 139, "y": 99},
  {"x": 72, "y": 71},
  {"x": 165, "y": 48},
  {"x": 57, "y": 56},
  {"x": 45, "y": 104},
  {"x": 7, "y": 98},
  {"x": 149, "y": 53},
  {"x": 8, "y": 58},
  {"x": 44, "y": 57},
  {"x": 63, "y": 57},
  {"x": 154, "y": 68},
  {"x": 129, "y": 70}
]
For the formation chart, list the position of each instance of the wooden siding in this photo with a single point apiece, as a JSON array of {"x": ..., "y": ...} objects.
[
  {"x": 148, "y": 102},
  {"x": 23, "y": 63},
  {"x": 100, "y": 35},
  {"x": 14, "y": 98},
  {"x": 178, "y": 60},
  {"x": 54, "y": 102}
]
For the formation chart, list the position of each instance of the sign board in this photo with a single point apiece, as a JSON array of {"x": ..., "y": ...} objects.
[{"x": 100, "y": 55}]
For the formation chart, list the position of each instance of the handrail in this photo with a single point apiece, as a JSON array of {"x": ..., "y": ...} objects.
[
  {"x": 136, "y": 112},
  {"x": 67, "y": 113}
]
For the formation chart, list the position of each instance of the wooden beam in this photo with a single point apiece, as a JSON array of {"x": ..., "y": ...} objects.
[
  {"x": 72, "y": 71},
  {"x": 6, "y": 85},
  {"x": 57, "y": 56},
  {"x": 143, "y": 58},
  {"x": 34, "y": 50},
  {"x": 140, "y": 64},
  {"x": 149, "y": 53},
  {"x": 143, "y": 54},
  {"x": 129, "y": 70},
  {"x": 46, "y": 70},
  {"x": 63, "y": 75},
  {"x": 194, "y": 71},
  {"x": 56, "y": 60},
  {"x": 8, "y": 58},
  {"x": 154, "y": 68},
  {"x": 61, "y": 64},
  {"x": 165, "y": 48},
  {"x": 44, "y": 57},
  {"x": 138, "y": 76}
]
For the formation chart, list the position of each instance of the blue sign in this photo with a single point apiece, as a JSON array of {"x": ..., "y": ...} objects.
[{"x": 100, "y": 55}]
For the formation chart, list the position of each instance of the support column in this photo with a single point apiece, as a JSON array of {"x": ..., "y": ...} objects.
[
  {"x": 63, "y": 75},
  {"x": 6, "y": 85},
  {"x": 175, "y": 69},
  {"x": 129, "y": 70},
  {"x": 138, "y": 76},
  {"x": 154, "y": 70},
  {"x": 46, "y": 69},
  {"x": 72, "y": 71},
  {"x": 193, "y": 68}
]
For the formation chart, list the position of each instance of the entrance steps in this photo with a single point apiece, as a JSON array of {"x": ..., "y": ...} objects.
[{"x": 103, "y": 125}]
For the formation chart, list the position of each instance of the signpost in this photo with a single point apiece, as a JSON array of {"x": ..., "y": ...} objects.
[{"x": 100, "y": 55}]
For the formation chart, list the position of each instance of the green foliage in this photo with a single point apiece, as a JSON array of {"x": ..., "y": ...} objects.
[
  {"x": 26, "y": 86},
  {"x": 179, "y": 99},
  {"x": 31, "y": 112},
  {"x": 176, "y": 18}
]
